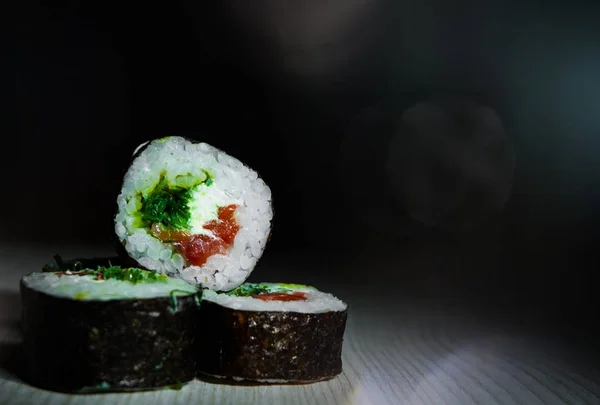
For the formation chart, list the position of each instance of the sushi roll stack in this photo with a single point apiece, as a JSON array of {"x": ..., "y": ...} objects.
[{"x": 193, "y": 223}]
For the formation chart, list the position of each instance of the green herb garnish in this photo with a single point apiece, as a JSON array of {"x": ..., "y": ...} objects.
[
  {"x": 178, "y": 383},
  {"x": 249, "y": 289},
  {"x": 173, "y": 295},
  {"x": 177, "y": 386},
  {"x": 168, "y": 206},
  {"x": 73, "y": 265},
  {"x": 131, "y": 274},
  {"x": 102, "y": 386},
  {"x": 198, "y": 299}
]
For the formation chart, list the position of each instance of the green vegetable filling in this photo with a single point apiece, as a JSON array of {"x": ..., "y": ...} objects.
[
  {"x": 249, "y": 289},
  {"x": 173, "y": 295},
  {"x": 178, "y": 383},
  {"x": 62, "y": 265},
  {"x": 131, "y": 274},
  {"x": 167, "y": 204}
]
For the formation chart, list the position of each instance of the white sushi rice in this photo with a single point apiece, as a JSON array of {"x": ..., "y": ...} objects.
[
  {"x": 316, "y": 302},
  {"x": 233, "y": 183},
  {"x": 88, "y": 288}
]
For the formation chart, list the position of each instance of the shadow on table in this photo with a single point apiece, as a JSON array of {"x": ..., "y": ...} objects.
[
  {"x": 11, "y": 361},
  {"x": 10, "y": 303},
  {"x": 10, "y": 352},
  {"x": 10, "y": 309}
]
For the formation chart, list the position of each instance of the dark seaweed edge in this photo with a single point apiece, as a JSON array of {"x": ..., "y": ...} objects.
[{"x": 121, "y": 251}]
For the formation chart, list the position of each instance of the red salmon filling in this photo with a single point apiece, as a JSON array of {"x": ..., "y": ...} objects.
[
  {"x": 196, "y": 249},
  {"x": 294, "y": 296}
]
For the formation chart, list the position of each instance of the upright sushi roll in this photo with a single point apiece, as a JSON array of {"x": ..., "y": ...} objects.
[
  {"x": 271, "y": 333},
  {"x": 190, "y": 210},
  {"x": 108, "y": 329}
]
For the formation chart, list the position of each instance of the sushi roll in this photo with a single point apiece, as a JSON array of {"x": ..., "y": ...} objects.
[
  {"x": 271, "y": 333},
  {"x": 190, "y": 210},
  {"x": 107, "y": 330}
]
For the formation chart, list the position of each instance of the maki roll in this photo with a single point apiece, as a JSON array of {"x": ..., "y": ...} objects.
[
  {"x": 109, "y": 329},
  {"x": 272, "y": 333},
  {"x": 191, "y": 210}
]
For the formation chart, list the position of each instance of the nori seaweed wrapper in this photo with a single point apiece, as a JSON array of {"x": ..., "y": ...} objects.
[
  {"x": 86, "y": 346},
  {"x": 270, "y": 346}
]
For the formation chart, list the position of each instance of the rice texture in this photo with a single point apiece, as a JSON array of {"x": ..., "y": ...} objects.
[
  {"x": 316, "y": 301},
  {"x": 214, "y": 179}
]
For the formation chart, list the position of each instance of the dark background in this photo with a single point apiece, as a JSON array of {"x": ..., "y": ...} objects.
[{"x": 83, "y": 84}]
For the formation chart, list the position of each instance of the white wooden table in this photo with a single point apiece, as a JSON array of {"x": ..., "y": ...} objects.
[{"x": 396, "y": 351}]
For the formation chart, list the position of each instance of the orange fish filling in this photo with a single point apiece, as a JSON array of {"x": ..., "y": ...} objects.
[
  {"x": 294, "y": 296},
  {"x": 196, "y": 249}
]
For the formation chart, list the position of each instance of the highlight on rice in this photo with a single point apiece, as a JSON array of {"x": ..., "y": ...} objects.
[{"x": 192, "y": 211}]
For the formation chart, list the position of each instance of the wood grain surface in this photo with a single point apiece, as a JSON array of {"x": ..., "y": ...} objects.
[{"x": 397, "y": 350}]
